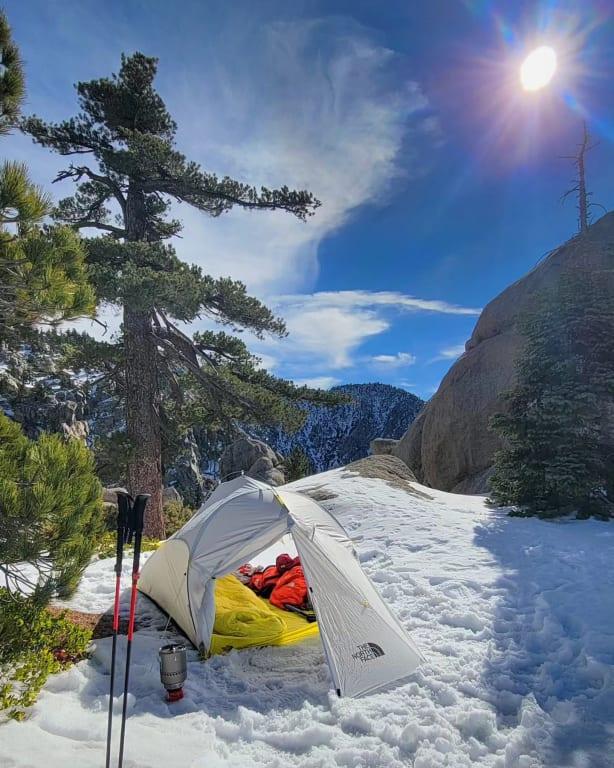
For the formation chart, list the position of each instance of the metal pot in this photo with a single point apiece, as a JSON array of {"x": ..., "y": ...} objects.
[{"x": 173, "y": 669}]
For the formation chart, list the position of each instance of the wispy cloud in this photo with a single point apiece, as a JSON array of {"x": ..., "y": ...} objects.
[
  {"x": 391, "y": 299},
  {"x": 449, "y": 353},
  {"x": 328, "y": 328},
  {"x": 329, "y": 110},
  {"x": 328, "y": 336},
  {"x": 400, "y": 360}
]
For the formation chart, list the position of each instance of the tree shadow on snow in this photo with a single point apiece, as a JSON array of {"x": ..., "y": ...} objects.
[{"x": 550, "y": 674}]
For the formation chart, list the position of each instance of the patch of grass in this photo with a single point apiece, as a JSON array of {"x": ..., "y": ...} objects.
[{"x": 107, "y": 544}]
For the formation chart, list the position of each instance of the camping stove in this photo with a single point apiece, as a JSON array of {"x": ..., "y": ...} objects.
[{"x": 173, "y": 670}]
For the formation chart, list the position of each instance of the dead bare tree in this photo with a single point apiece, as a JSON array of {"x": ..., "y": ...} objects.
[{"x": 579, "y": 182}]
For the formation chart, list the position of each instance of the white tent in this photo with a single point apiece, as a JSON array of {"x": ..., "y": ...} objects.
[{"x": 365, "y": 646}]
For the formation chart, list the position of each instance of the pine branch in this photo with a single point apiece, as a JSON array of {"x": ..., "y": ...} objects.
[{"x": 77, "y": 172}]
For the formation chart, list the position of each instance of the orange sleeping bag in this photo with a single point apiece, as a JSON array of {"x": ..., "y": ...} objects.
[{"x": 290, "y": 589}]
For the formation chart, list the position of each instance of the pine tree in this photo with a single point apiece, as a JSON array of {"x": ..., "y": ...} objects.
[
  {"x": 125, "y": 192},
  {"x": 42, "y": 272},
  {"x": 557, "y": 457},
  {"x": 12, "y": 81},
  {"x": 297, "y": 465},
  {"x": 50, "y": 507}
]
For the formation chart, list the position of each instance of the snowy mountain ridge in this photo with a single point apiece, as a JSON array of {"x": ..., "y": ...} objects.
[{"x": 334, "y": 436}]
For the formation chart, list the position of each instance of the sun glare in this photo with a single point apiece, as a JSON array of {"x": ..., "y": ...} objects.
[{"x": 538, "y": 68}]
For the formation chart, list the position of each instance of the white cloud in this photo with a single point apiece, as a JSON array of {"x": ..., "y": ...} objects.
[
  {"x": 312, "y": 104},
  {"x": 328, "y": 327},
  {"x": 405, "y": 384},
  {"x": 452, "y": 352},
  {"x": 393, "y": 299},
  {"x": 329, "y": 335},
  {"x": 318, "y": 382},
  {"x": 268, "y": 362},
  {"x": 449, "y": 353},
  {"x": 400, "y": 360}
]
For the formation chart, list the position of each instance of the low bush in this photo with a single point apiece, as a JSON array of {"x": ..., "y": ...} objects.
[
  {"x": 107, "y": 545},
  {"x": 176, "y": 515},
  {"x": 34, "y": 644},
  {"x": 50, "y": 508}
]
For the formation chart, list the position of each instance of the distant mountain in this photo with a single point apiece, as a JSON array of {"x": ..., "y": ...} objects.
[{"x": 334, "y": 436}]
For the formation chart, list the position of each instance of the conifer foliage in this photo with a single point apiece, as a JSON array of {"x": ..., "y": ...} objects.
[
  {"x": 297, "y": 465},
  {"x": 51, "y": 512},
  {"x": 12, "y": 81},
  {"x": 557, "y": 458},
  {"x": 128, "y": 171},
  {"x": 42, "y": 271}
]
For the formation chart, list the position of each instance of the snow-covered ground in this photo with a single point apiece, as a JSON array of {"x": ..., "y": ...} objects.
[{"x": 515, "y": 618}]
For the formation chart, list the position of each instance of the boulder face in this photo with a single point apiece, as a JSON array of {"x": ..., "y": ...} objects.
[
  {"x": 255, "y": 459},
  {"x": 450, "y": 446}
]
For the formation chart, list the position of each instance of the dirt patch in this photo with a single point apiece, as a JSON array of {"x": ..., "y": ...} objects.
[
  {"x": 319, "y": 493},
  {"x": 99, "y": 624},
  {"x": 390, "y": 469}
]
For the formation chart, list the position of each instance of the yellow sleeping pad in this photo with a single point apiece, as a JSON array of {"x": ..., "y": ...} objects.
[{"x": 243, "y": 620}]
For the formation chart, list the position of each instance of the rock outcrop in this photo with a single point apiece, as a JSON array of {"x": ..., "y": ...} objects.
[
  {"x": 255, "y": 459},
  {"x": 450, "y": 446},
  {"x": 383, "y": 446}
]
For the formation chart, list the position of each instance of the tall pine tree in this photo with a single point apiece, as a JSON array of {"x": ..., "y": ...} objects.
[
  {"x": 558, "y": 456},
  {"x": 125, "y": 190}
]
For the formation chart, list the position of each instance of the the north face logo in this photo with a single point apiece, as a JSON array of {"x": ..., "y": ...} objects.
[{"x": 367, "y": 651}]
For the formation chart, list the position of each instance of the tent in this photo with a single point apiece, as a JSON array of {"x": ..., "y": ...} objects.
[{"x": 365, "y": 646}]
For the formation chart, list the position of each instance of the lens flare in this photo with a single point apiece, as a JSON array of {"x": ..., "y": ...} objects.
[{"x": 538, "y": 68}]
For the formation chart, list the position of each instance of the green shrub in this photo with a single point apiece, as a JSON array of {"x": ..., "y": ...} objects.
[
  {"x": 176, "y": 516},
  {"x": 297, "y": 465},
  {"x": 107, "y": 545},
  {"x": 50, "y": 507},
  {"x": 33, "y": 644}
]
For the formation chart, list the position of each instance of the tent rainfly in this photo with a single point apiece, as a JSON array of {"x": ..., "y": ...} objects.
[{"x": 365, "y": 646}]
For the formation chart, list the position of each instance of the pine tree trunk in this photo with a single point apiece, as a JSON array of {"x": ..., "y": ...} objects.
[
  {"x": 142, "y": 391},
  {"x": 143, "y": 417}
]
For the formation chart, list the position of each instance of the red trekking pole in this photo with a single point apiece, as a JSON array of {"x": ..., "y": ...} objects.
[
  {"x": 123, "y": 504},
  {"x": 136, "y": 515}
]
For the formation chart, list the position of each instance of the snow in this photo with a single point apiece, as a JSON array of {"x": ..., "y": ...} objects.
[{"x": 515, "y": 617}]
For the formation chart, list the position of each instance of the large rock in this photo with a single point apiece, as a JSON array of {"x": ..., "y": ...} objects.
[
  {"x": 450, "y": 445},
  {"x": 171, "y": 495},
  {"x": 185, "y": 476},
  {"x": 254, "y": 458}
]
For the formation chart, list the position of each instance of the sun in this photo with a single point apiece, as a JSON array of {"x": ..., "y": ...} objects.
[{"x": 538, "y": 68}]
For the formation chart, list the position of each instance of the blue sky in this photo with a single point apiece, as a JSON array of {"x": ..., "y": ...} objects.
[{"x": 440, "y": 178}]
